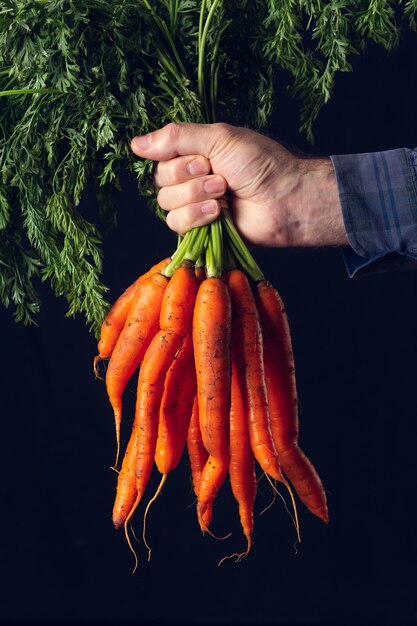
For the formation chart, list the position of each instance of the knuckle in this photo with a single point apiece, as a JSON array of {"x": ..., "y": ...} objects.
[
  {"x": 224, "y": 130},
  {"x": 172, "y": 130},
  {"x": 224, "y": 135},
  {"x": 221, "y": 127}
]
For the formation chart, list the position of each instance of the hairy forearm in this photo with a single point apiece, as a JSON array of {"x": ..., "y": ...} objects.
[{"x": 314, "y": 211}]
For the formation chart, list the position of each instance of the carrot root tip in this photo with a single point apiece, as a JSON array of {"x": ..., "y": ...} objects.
[
  {"x": 151, "y": 501},
  {"x": 294, "y": 505},
  {"x": 237, "y": 555},
  {"x": 126, "y": 528},
  {"x": 97, "y": 360}
]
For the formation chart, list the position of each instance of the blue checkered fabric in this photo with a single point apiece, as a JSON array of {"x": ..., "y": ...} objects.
[{"x": 378, "y": 194}]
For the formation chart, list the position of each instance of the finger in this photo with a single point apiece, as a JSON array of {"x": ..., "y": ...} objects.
[
  {"x": 192, "y": 215},
  {"x": 180, "y": 169},
  {"x": 175, "y": 140},
  {"x": 192, "y": 191}
]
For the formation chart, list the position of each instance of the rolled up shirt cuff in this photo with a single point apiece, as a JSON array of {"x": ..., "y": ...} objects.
[{"x": 378, "y": 195}]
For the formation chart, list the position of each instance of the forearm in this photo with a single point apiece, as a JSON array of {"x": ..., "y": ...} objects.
[{"x": 314, "y": 212}]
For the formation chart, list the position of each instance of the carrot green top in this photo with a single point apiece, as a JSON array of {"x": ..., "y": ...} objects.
[{"x": 80, "y": 78}]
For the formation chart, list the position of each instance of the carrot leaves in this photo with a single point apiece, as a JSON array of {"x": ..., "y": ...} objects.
[{"x": 78, "y": 79}]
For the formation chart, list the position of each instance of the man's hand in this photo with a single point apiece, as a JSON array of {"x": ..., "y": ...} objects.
[{"x": 276, "y": 199}]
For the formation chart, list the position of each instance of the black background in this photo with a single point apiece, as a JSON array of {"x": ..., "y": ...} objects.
[{"x": 355, "y": 344}]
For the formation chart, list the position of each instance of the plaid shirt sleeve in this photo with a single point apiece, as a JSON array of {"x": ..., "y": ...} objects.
[{"x": 378, "y": 195}]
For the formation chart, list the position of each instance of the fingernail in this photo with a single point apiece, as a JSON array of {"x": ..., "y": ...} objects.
[
  {"x": 142, "y": 142},
  {"x": 214, "y": 185},
  {"x": 196, "y": 167},
  {"x": 210, "y": 207}
]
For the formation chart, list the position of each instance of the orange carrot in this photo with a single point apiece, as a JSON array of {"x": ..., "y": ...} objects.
[
  {"x": 175, "y": 323},
  {"x": 176, "y": 408},
  {"x": 282, "y": 399},
  {"x": 242, "y": 462},
  {"x": 211, "y": 338},
  {"x": 174, "y": 417},
  {"x": 247, "y": 351},
  {"x": 116, "y": 317},
  {"x": 141, "y": 325},
  {"x": 196, "y": 451},
  {"x": 126, "y": 482}
]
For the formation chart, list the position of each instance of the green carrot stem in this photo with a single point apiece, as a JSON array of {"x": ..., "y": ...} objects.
[
  {"x": 19, "y": 92},
  {"x": 201, "y": 261},
  {"x": 239, "y": 248},
  {"x": 200, "y": 67},
  {"x": 165, "y": 31},
  {"x": 178, "y": 256},
  {"x": 201, "y": 22},
  {"x": 191, "y": 247},
  {"x": 199, "y": 245},
  {"x": 173, "y": 14},
  {"x": 214, "y": 256},
  {"x": 209, "y": 256},
  {"x": 217, "y": 231},
  {"x": 229, "y": 262},
  {"x": 202, "y": 40}
]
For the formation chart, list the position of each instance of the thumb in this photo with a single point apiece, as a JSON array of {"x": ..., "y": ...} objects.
[{"x": 175, "y": 140}]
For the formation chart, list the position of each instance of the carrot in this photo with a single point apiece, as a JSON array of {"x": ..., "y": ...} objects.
[
  {"x": 175, "y": 323},
  {"x": 211, "y": 338},
  {"x": 142, "y": 324},
  {"x": 176, "y": 408},
  {"x": 200, "y": 274},
  {"x": 242, "y": 463},
  {"x": 174, "y": 417},
  {"x": 126, "y": 482},
  {"x": 196, "y": 451},
  {"x": 283, "y": 402},
  {"x": 247, "y": 351},
  {"x": 116, "y": 317}
]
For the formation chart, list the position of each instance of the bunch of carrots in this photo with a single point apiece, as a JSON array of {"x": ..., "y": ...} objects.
[{"x": 210, "y": 338}]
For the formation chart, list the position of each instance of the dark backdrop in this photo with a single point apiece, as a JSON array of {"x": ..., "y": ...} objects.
[{"x": 355, "y": 343}]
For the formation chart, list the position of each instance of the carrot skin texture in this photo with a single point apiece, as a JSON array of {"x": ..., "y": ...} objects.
[
  {"x": 117, "y": 316},
  {"x": 242, "y": 462},
  {"x": 247, "y": 351},
  {"x": 282, "y": 398},
  {"x": 176, "y": 408},
  {"x": 156, "y": 362},
  {"x": 126, "y": 491},
  {"x": 141, "y": 326},
  {"x": 211, "y": 339},
  {"x": 197, "y": 453},
  {"x": 175, "y": 324}
]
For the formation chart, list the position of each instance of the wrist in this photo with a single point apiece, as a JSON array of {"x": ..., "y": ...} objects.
[{"x": 315, "y": 217}]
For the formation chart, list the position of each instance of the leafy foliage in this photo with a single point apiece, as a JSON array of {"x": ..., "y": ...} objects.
[{"x": 79, "y": 78}]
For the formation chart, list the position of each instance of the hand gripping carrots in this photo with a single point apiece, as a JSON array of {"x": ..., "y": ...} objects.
[{"x": 210, "y": 340}]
